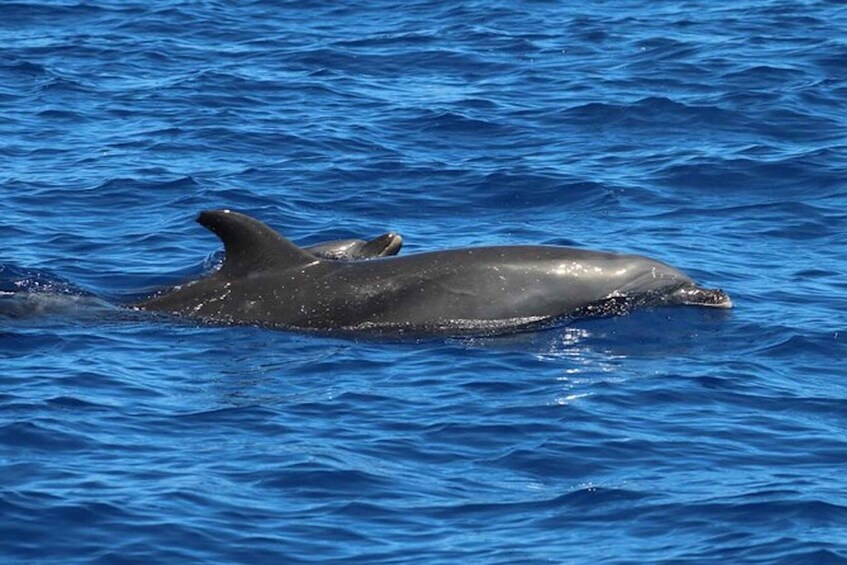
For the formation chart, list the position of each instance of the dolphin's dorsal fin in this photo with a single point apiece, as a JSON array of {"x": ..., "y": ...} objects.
[{"x": 250, "y": 245}]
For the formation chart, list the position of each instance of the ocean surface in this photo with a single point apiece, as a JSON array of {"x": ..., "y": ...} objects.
[{"x": 710, "y": 135}]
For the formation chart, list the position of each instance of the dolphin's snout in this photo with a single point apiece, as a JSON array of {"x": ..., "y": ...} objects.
[
  {"x": 394, "y": 241},
  {"x": 708, "y": 297},
  {"x": 383, "y": 246}
]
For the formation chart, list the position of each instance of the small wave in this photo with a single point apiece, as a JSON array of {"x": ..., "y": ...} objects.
[
  {"x": 650, "y": 113},
  {"x": 307, "y": 478},
  {"x": 67, "y": 115},
  {"x": 454, "y": 123},
  {"x": 24, "y": 68},
  {"x": 765, "y": 76},
  {"x": 31, "y": 436},
  {"x": 57, "y": 85},
  {"x": 535, "y": 189},
  {"x": 595, "y": 500},
  {"x": 389, "y": 40},
  {"x": 36, "y": 12},
  {"x": 822, "y": 345}
]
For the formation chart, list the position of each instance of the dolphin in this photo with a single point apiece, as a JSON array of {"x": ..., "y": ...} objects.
[
  {"x": 358, "y": 249},
  {"x": 266, "y": 280}
]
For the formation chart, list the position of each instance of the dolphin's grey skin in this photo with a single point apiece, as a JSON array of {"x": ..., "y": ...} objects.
[
  {"x": 358, "y": 249},
  {"x": 268, "y": 281}
]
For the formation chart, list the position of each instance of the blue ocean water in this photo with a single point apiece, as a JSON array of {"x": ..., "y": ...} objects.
[{"x": 710, "y": 135}]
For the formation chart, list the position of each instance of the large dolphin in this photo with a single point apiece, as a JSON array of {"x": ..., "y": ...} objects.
[{"x": 266, "y": 280}]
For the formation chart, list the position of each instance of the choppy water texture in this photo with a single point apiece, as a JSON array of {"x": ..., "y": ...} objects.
[{"x": 711, "y": 135}]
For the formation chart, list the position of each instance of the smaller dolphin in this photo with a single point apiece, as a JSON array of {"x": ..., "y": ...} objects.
[
  {"x": 266, "y": 280},
  {"x": 358, "y": 249}
]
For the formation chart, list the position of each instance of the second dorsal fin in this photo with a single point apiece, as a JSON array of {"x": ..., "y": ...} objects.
[{"x": 251, "y": 245}]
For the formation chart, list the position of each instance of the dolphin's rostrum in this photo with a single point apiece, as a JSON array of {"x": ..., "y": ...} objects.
[{"x": 268, "y": 281}]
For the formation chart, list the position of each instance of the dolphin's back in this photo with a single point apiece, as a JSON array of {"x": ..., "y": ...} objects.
[{"x": 489, "y": 285}]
